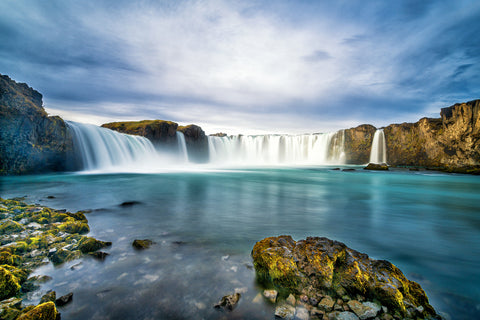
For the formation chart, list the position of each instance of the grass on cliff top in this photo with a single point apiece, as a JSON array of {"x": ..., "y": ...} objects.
[{"x": 135, "y": 125}]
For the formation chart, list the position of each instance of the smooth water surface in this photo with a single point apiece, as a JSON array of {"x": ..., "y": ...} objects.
[{"x": 206, "y": 223}]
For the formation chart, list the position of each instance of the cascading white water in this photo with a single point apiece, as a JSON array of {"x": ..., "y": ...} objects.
[
  {"x": 325, "y": 148},
  {"x": 378, "y": 154},
  {"x": 105, "y": 149},
  {"x": 182, "y": 146}
]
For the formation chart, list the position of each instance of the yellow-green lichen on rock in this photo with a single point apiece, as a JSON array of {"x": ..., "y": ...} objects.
[
  {"x": 9, "y": 284},
  {"x": 44, "y": 311},
  {"x": 319, "y": 266}
]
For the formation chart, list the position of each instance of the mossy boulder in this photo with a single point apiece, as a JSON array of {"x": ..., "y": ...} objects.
[
  {"x": 142, "y": 244},
  {"x": 44, "y": 311},
  {"x": 376, "y": 166},
  {"x": 60, "y": 256},
  {"x": 9, "y": 284},
  {"x": 88, "y": 244},
  {"x": 319, "y": 266},
  {"x": 75, "y": 227},
  {"x": 10, "y": 226}
]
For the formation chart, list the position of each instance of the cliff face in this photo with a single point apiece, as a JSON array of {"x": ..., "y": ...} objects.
[
  {"x": 160, "y": 132},
  {"x": 358, "y": 143},
  {"x": 197, "y": 143},
  {"x": 30, "y": 140},
  {"x": 163, "y": 134},
  {"x": 451, "y": 141}
]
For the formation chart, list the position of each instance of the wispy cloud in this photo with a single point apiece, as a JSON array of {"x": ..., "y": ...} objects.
[{"x": 256, "y": 65}]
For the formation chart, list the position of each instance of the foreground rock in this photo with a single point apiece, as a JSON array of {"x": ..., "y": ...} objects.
[
  {"x": 331, "y": 278},
  {"x": 32, "y": 236},
  {"x": 30, "y": 140}
]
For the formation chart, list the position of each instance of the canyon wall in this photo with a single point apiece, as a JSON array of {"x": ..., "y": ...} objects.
[{"x": 30, "y": 140}]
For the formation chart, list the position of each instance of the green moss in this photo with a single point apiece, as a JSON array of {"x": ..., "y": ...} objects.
[
  {"x": 9, "y": 284},
  {"x": 9, "y": 258},
  {"x": 9, "y": 227},
  {"x": 88, "y": 244},
  {"x": 10, "y": 313},
  {"x": 62, "y": 255},
  {"x": 20, "y": 247},
  {"x": 44, "y": 311},
  {"x": 75, "y": 227}
]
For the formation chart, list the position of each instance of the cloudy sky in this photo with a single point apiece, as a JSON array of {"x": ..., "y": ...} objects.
[{"x": 245, "y": 66}]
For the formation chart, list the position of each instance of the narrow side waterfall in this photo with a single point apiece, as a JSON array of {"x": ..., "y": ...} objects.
[
  {"x": 325, "y": 148},
  {"x": 103, "y": 149},
  {"x": 378, "y": 154},
  {"x": 182, "y": 146}
]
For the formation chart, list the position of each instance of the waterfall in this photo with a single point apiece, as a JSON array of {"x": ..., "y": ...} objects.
[
  {"x": 327, "y": 148},
  {"x": 182, "y": 146},
  {"x": 104, "y": 149},
  {"x": 378, "y": 154}
]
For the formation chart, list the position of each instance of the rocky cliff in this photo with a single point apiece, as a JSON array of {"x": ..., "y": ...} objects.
[
  {"x": 197, "y": 143},
  {"x": 358, "y": 143},
  {"x": 163, "y": 134},
  {"x": 160, "y": 132},
  {"x": 451, "y": 143},
  {"x": 30, "y": 140}
]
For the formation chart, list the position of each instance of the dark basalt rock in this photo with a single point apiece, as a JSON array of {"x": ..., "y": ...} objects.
[
  {"x": 319, "y": 267},
  {"x": 228, "y": 302},
  {"x": 30, "y": 140},
  {"x": 129, "y": 203},
  {"x": 63, "y": 300},
  {"x": 197, "y": 143}
]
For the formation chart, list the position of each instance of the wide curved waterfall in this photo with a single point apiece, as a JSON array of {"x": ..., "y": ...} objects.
[
  {"x": 104, "y": 149},
  {"x": 101, "y": 149},
  {"x": 325, "y": 148},
  {"x": 378, "y": 154}
]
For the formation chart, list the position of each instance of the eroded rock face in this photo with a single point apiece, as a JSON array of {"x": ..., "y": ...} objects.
[
  {"x": 453, "y": 141},
  {"x": 319, "y": 267},
  {"x": 197, "y": 143},
  {"x": 30, "y": 140},
  {"x": 159, "y": 132},
  {"x": 358, "y": 143}
]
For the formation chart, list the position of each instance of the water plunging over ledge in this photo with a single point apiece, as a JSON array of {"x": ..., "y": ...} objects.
[
  {"x": 378, "y": 154},
  {"x": 101, "y": 149}
]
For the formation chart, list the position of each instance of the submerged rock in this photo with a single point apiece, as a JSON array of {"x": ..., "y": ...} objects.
[
  {"x": 88, "y": 244},
  {"x": 142, "y": 244},
  {"x": 49, "y": 296},
  {"x": 376, "y": 166},
  {"x": 228, "y": 302},
  {"x": 322, "y": 267},
  {"x": 63, "y": 300},
  {"x": 285, "y": 311}
]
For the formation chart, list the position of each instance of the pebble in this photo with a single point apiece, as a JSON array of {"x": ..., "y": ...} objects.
[
  {"x": 285, "y": 311},
  {"x": 271, "y": 295},
  {"x": 326, "y": 304},
  {"x": 301, "y": 313}
]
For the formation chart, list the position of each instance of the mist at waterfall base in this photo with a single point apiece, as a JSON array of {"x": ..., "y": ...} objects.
[
  {"x": 206, "y": 222},
  {"x": 103, "y": 150}
]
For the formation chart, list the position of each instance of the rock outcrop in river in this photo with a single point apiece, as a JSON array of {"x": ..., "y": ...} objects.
[
  {"x": 164, "y": 134},
  {"x": 330, "y": 277},
  {"x": 30, "y": 140}
]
